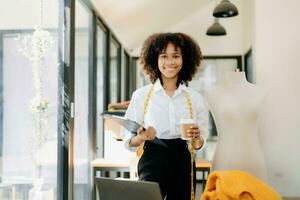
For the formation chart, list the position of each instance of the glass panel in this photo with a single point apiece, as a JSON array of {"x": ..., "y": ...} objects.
[
  {"x": 127, "y": 61},
  {"x": 81, "y": 132},
  {"x": 114, "y": 148},
  {"x": 212, "y": 72},
  {"x": 28, "y": 129},
  {"x": 141, "y": 78},
  {"x": 101, "y": 53},
  {"x": 114, "y": 57},
  {"x": 123, "y": 77},
  {"x": 249, "y": 66}
]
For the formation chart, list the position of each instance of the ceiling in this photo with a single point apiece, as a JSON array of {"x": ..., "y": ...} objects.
[{"x": 133, "y": 20}]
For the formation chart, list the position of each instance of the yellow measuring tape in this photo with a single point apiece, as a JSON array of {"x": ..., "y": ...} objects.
[
  {"x": 140, "y": 149},
  {"x": 191, "y": 148}
]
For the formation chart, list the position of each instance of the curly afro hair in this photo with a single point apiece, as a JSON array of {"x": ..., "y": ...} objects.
[{"x": 157, "y": 43}]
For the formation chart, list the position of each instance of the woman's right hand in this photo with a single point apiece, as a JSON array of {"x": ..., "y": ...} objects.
[
  {"x": 148, "y": 134},
  {"x": 142, "y": 136}
]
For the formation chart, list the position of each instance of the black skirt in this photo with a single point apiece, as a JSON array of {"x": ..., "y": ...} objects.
[{"x": 169, "y": 166}]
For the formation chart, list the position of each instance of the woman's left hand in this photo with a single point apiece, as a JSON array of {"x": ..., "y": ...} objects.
[{"x": 194, "y": 132}]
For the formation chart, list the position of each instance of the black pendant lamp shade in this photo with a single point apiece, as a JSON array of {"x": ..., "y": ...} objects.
[
  {"x": 225, "y": 9},
  {"x": 216, "y": 29}
]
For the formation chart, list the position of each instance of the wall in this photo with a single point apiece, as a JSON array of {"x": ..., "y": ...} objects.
[
  {"x": 247, "y": 13},
  {"x": 276, "y": 51},
  {"x": 12, "y": 17},
  {"x": 12, "y": 14}
]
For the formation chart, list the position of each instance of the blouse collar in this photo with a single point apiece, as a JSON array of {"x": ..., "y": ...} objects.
[{"x": 159, "y": 87}]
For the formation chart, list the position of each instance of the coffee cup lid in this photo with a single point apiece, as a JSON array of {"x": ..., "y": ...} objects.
[{"x": 187, "y": 121}]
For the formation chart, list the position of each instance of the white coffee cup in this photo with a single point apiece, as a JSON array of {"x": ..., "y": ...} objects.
[{"x": 185, "y": 125}]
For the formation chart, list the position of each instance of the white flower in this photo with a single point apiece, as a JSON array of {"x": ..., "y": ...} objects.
[
  {"x": 39, "y": 104},
  {"x": 35, "y": 47}
]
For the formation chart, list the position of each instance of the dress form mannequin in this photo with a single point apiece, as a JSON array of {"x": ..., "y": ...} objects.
[{"x": 235, "y": 106}]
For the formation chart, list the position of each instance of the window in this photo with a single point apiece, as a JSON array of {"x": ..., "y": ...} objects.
[
  {"x": 113, "y": 148},
  {"x": 114, "y": 72},
  {"x": 82, "y": 147},
  {"x": 125, "y": 77},
  {"x": 248, "y": 58},
  {"x": 212, "y": 71},
  {"x": 101, "y": 62},
  {"x": 141, "y": 78},
  {"x": 23, "y": 163}
]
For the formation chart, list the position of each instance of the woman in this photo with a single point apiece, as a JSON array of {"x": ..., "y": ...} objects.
[{"x": 170, "y": 60}]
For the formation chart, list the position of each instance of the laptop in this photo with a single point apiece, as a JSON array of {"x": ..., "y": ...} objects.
[{"x": 122, "y": 189}]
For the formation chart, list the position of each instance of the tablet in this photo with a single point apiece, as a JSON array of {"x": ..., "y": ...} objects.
[
  {"x": 130, "y": 125},
  {"x": 133, "y": 126}
]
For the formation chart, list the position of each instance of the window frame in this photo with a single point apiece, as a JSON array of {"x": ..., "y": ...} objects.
[{"x": 112, "y": 39}]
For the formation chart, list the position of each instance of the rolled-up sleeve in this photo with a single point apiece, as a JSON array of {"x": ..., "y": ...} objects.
[{"x": 134, "y": 112}]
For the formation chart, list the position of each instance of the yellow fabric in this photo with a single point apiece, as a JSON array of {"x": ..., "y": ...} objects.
[{"x": 237, "y": 185}]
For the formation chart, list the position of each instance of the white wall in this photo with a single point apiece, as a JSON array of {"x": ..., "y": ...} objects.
[
  {"x": 247, "y": 13},
  {"x": 25, "y": 14},
  {"x": 276, "y": 59}
]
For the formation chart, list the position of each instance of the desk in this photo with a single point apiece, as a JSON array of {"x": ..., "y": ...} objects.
[
  {"x": 104, "y": 166},
  {"x": 203, "y": 166}
]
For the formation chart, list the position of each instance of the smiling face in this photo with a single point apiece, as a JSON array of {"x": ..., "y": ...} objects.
[{"x": 170, "y": 62}]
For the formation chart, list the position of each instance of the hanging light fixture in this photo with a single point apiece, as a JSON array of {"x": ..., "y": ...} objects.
[
  {"x": 216, "y": 29},
  {"x": 225, "y": 9}
]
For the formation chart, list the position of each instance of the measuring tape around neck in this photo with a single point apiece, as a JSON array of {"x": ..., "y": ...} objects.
[{"x": 190, "y": 144}]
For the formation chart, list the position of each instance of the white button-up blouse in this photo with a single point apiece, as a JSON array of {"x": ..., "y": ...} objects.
[{"x": 164, "y": 112}]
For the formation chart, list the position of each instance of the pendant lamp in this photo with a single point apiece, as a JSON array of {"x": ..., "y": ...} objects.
[
  {"x": 216, "y": 29},
  {"x": 225, "y": 9}
]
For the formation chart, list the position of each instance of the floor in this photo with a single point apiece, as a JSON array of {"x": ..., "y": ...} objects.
[
  {"x": 291, "y": 198},
  {"x": 198, "y": 191}
]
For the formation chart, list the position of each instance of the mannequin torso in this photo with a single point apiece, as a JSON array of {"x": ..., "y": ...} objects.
[{"x": 235, "y": 109}]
